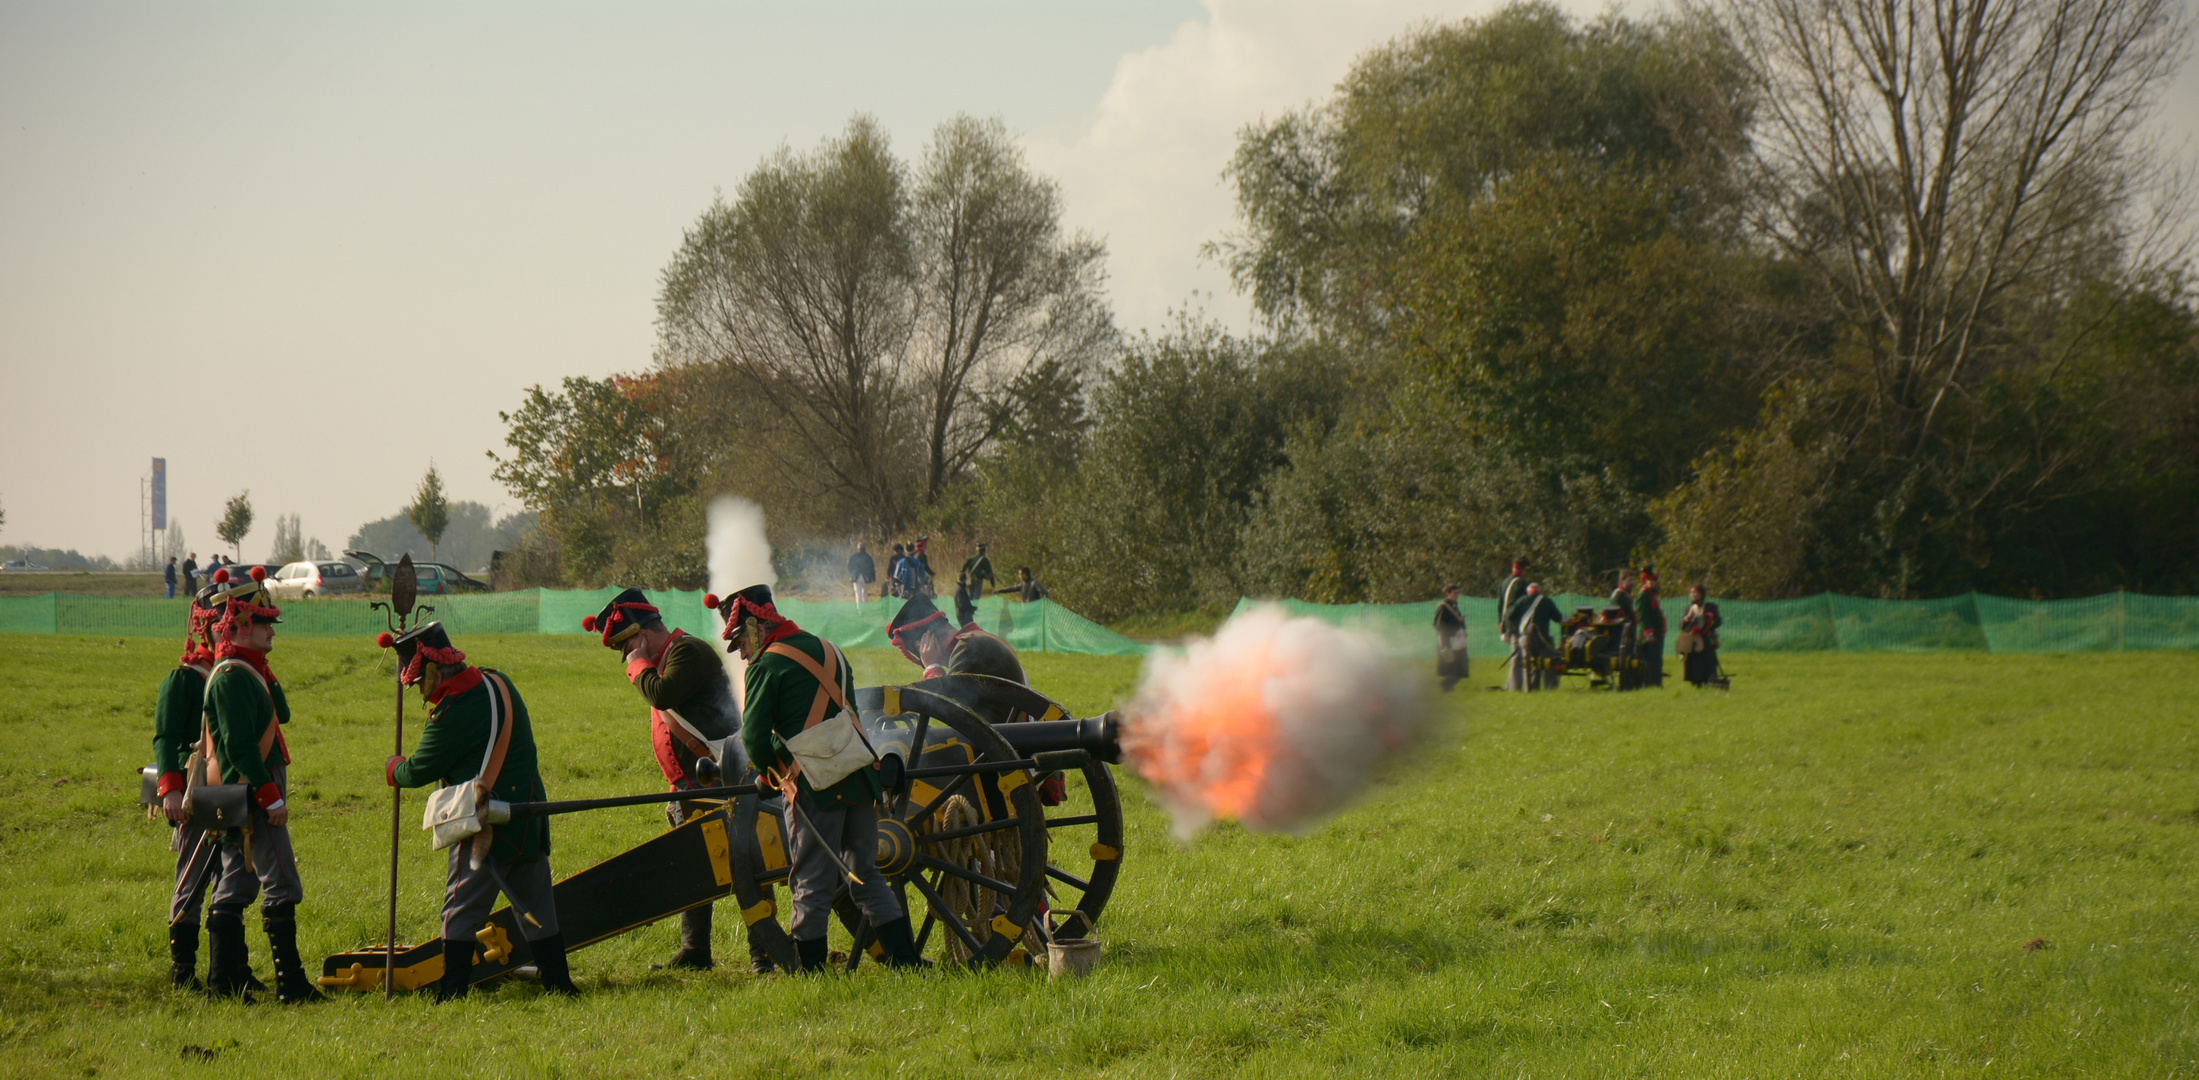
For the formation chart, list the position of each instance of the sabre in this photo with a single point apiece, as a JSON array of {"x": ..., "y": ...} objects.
[{"x": 404, "y": 587}]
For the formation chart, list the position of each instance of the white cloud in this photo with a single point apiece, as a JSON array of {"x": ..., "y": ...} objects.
[{"x": 1147, "y": 175}]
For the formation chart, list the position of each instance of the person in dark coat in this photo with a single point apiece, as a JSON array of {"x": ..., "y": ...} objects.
[
  {"x": 169, "y": 575},
  {"x": 1451, "y": 663},
  {"x": 1537, "y": 612},
  {"x": 191, "y": 573},
  {"x": 1649, "y": 618},
  {"x": 1700, "y": 645},
  {"x": 1027, "y": 587},
  {"x": 862, "y": 570},
  {"x": 978, "y": 571},
  {"x": 1511, "y": 604}
]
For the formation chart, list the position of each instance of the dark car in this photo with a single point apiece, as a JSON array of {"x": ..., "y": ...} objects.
[{"x": 435, "y": 579}]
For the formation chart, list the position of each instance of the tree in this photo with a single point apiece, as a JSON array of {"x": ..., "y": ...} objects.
[
  {"x": 317, "y": 551},
  {"x": 430, "y": 510},
  {"x": 289, "y": 540},
  {"x": 864, "y": 322},
  {"x": 235, "y": 522},
  {"x": 1952, "y": 175}
]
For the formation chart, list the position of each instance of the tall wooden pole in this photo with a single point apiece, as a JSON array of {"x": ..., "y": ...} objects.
[{"x": 396, "y": 802}]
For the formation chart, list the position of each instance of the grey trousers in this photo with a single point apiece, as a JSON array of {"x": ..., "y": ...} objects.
[
  {"x": 273, "y": 876},
  {"x": 201, "y": 860},
  {"x": 470, "y": 893},
  {"x": 1516, "y": 675},
  {"x": 853, "y": 834}
]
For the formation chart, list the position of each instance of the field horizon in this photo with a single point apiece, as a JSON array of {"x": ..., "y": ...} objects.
[{"x": 1867, "y": 866}]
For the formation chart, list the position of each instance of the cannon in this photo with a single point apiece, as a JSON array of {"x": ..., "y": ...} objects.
[
  {"x": 1600, "y": 647},
  {"x": 1001, "y": 830}
]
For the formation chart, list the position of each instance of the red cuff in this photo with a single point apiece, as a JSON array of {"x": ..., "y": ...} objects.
[
  {"x": 267, "y": 795},
  {"x": 637, "y": 665},
  {"x": 934, "y": 671},
  {"x": 170, "y": 781},
  {"x": 389, "y": 770}
]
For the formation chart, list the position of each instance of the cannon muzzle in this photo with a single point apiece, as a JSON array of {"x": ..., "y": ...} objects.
[{"x": 1099, "y": 736}]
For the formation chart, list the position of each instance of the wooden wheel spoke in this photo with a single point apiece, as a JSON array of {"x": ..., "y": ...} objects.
[
  {"x": 969, "y": 830},
  {"x": 924, "y": 932},
  {"x": 946, "y": 915},
  {"x": 971, "y": 876},
  {"x": 940, "y": 799},
  {"x": 1066, "y": 878}
]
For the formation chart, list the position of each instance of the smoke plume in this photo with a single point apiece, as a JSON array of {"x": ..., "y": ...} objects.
[
  {"x": 740, "y": 556},
  {"x": 1274, "y": 723}
]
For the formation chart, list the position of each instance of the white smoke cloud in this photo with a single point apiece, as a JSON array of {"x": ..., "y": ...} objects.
[
  {"x": 740, "y": 556},
  {"x": 1275, "y": 722}
]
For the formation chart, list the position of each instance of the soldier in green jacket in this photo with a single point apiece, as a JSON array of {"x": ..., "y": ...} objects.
[
  {"x": 469, "y": 710},
  {"x": 783, "y": 696},
  {"x": 978, "y": 571},
  {"x": 245, "y": 711},
  {"x": 1511, "y": 599},
  {"x": 1537, "y": 612},
  {"x": 692, "y": 715},
  {"x": 178, "y": 723},
  {"x": 921, "y": 631}
]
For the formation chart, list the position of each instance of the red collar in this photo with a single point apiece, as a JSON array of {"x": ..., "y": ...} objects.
[
  {"x": 257, "y": 658},
  {"x": 669, "y": 639},
  {"x": 456, "y": 684}
]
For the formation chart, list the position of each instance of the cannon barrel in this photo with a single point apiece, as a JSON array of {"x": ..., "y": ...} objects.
[{"x": 1100, "y": 736}]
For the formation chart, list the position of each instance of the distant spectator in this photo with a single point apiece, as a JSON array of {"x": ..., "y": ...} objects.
[
  {"x": 862, "y": 570},
  {"x": 904, "y": 576},
  {"x": 170, "y": 575},
  {"x": 1028, "y": 585},
  {"x": 920, "y": 558},
  {"x": 1451, "y": 664},
  {"x": 965, "y": 605},
  {"x": 191, "y": 574},
  {"x": 1698, "y": 641},
  {"x": 893, "y": 570},
  {"x": 978, "y": 570}
]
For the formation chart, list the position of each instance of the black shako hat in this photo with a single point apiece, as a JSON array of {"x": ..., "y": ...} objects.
[
  {"x": 915, "y": 615},
  {"x": 418, "y": 647},
  {"x": 627, "y": 614},
  {"x": 240, "y": 597}
]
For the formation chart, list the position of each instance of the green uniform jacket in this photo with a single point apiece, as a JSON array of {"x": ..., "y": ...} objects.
[
  {"x": 1511, "y": 602},
  {"x": 1541, "y": 611},
  {"x": 779, "y": 695},
  {"x": 1652, "y": 616},
  {"x": 979, "y": 653},
  {"x": 176, "y": 718},
  {"x": 978, "y": 568},
  {"x": 451, "y": 750},
  {"x": 238, "y": 712}
]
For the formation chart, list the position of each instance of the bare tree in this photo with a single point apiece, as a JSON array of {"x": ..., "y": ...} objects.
[
  {"x": 800, "y": 290},
  {"x": 1002, "y": 291}
]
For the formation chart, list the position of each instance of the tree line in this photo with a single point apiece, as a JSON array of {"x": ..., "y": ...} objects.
[{"x": 1890, "y": 300}]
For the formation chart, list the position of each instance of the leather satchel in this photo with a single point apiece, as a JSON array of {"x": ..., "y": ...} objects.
[
  {"x": 827, "y": 751},
  {"x": 454, "y": 810},
  {"x": 211, "y": 803}
]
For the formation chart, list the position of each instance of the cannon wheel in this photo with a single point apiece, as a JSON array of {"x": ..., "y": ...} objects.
[
  {"x": 911, "y": 835},
  {"x": 1084, "y": 834}
]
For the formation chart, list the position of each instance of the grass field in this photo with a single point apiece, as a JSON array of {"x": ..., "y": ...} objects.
[
  {"x": 82, "y": 583},
  {"x": 1857, "y": 866}
]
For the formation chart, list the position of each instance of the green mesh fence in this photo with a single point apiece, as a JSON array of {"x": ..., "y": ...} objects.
[
  {"x": 1827, "y": 622},
  {"x": 1043, "y": 626},
  {"x": 1971, "y": 622}
]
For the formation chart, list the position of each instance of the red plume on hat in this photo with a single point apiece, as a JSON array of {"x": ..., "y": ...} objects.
[
  {"x": 588, "y": 623},
  {"x": 259, "y": 573},
  {"x": 384, "y": 639},
  {"x": 221, "y": 576}
]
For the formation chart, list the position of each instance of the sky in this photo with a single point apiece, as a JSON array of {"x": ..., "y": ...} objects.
[{"x": 305, "y": 250}]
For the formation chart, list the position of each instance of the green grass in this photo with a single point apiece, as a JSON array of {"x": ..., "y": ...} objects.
[
  {"x": 84, "y": 583},
  {"x": 1833, "y": 871}
]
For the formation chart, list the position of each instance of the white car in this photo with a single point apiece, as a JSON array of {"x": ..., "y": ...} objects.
[{"x": 305, "y": 580}]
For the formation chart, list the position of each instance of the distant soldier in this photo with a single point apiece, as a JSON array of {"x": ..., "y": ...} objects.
[
  {"x": 245, "y": 712},
  {"x": 1622, "y": 600},
  {"x": 1537, "y": 612},
  {"x": 1511, "y": 604},
  {"x": 978, "y": 571},
  {"x": 478, "y": 731},
  {"x": 1451, "y": 663},
  {"x": 692, "y": 715},
  {"x": 1028, "y": 586},
  {"x": 1649, "y": 617},
  {"x": 862, "y": 570},
  {"x": 920, "y": 630},
  {"x": 794, "y": 681},
  {"x": 920, "y": 568},
  {"x": 178, "y": 723},
  {"x": 1699, "y": 638}
]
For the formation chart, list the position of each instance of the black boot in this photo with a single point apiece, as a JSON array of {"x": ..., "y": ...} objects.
[
  {"x": 759, "y": 959},
  {"x": 900, "y": 945},
  {"x": 815, "y": 955},
  {"x": 292, "y": 987},
  {"x": 227, "y": 971},
  {"x": 458, "y": 970},
  {"x": 183, "y": 955},
  {"x": 549, "y": 959},
  {"x": 694, "y": 954}
]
